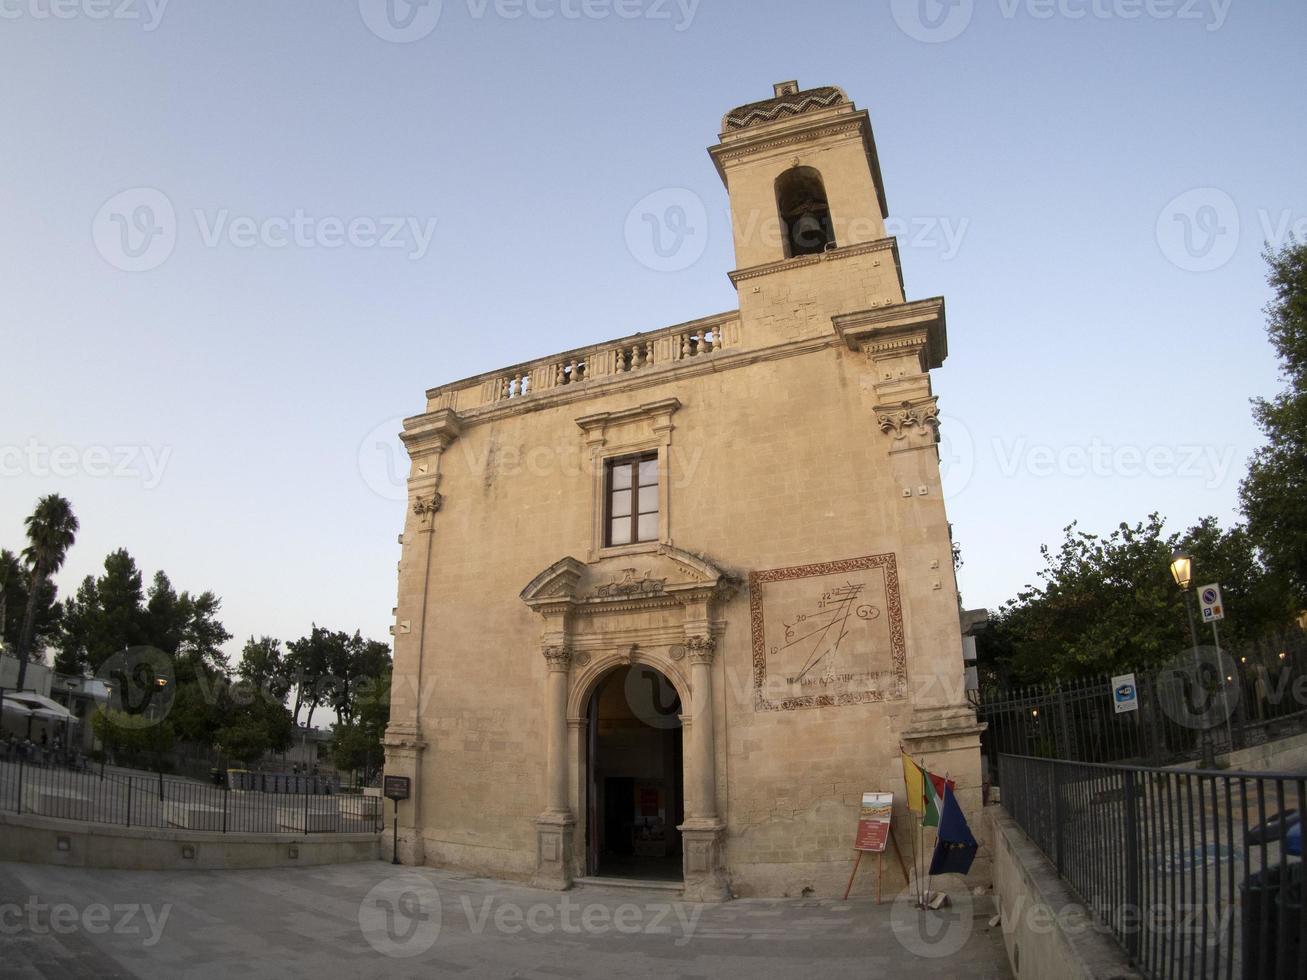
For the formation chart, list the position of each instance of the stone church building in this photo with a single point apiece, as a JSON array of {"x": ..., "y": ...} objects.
[{"x": 670, "y": 603}]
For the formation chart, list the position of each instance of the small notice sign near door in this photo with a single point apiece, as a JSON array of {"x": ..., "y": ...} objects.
[{"x": 873, "y": 822}]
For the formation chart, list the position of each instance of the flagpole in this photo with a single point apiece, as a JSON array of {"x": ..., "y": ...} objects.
[
  {"x": 925, "y": 890},
  {"x": 914, "y": 884},
  {"x": 941, "y": 818}
]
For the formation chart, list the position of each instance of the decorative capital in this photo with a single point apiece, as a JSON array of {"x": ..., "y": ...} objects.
[
  {"x": 558, "y": 658},
  {"x": 900, "y": 422},
  {"x": 426, "y": 507},
  {"x": 700, "y": 649}
]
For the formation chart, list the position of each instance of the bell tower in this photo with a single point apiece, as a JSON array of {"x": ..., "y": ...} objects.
[{"x": 807, "y": 210}]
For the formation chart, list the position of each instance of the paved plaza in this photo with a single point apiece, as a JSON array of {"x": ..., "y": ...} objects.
[{"x": 372, "y": 920}]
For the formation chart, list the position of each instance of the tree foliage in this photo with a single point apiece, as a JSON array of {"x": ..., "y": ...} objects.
[
  {"x": 15, "y": 582},
  {"x": 51, "y": 530},
  {"x": 1108, "y": 604},
  {"x": 330, "y": 668},
  {"x": 356, "y": 743},
  {"x": 1274, "y": 493}
]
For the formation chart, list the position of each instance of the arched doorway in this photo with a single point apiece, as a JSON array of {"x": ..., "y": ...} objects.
[{"x": 634, "y": 776}]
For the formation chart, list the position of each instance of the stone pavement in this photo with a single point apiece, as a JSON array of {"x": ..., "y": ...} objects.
[{"x": 373, "y": 920}]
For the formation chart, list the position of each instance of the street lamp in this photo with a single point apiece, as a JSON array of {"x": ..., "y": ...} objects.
[{"x": 1182, "y": 570}]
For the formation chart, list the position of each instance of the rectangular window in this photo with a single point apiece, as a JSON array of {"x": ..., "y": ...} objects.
[{"x": 632, "y": 499}]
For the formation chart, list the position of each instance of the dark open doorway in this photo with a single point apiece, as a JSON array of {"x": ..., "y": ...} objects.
[{"x": 635, "y": 777}]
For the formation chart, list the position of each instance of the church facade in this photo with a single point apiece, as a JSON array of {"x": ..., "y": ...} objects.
[{"x": 670, "y": 604}]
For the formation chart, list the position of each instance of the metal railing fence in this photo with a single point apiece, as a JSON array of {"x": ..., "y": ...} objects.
[
  {"x": 1261, "y": 696},
  {"x": 167, "y": 802},
  {"x": 1195, "y": 874}
]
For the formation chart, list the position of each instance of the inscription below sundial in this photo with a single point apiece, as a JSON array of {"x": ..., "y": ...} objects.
[{"x": 827, "y": 634}]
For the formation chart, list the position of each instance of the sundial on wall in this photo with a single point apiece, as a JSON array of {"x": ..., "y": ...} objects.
[{"x": 827, "y": 634}]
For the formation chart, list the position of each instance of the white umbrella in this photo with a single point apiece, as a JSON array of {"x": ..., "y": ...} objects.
[
  {"x": 41, "y": 706},
  {"x": 47, "y": 714},
  {"x": 14, "y": 708}
]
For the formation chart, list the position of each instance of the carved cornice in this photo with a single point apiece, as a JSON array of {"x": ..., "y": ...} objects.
[
  {"x": 890, "y": 245},
  {"x": 400, "y": 738},
  {"x": 891, "y": 330},
  {"x": 558, "y": 659},
  {"x": 658, "y": 411},
  {"x": 666, "y": 578},
  {"x": 555, "y": 584},
  {"x": 431, "y": 433}
]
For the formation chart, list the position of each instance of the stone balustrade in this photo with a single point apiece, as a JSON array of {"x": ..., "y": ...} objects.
[{"x": 643, "y": 352}]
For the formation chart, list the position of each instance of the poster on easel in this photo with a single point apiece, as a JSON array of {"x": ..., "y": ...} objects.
[
  {"x": 873, "y": 836},
  {"x": 873, "y": 822}
]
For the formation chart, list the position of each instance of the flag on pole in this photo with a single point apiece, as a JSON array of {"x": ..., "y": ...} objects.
[
  {"x": 934, "y": 791},
  {"x": 955, "y": 846},
  {"x": 914, "y": 784}
]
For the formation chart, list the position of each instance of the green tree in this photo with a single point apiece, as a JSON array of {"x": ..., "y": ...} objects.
[
  {"x": 263, "y": 665},
  {"x": 130, "y": 739},
  {"x": 14, "y": 583},
  {"x": 309, "y": 660},
  {"x": 51, "y": 530},
  {"x": 1274, "y": 493},
  {"x": 105, "y": 617},
  {"x": 356, "y": 744},
  {"x": 1109, "y": 603},
  {"x": 256, "y": 725}
]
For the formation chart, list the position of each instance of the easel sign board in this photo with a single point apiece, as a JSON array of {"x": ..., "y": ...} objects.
[{"x": 873, "y": 822}]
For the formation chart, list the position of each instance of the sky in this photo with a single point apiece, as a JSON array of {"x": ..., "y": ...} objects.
[{"x": 239, "y": 241}]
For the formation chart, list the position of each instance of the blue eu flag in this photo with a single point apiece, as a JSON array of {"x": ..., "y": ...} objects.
[{"x": 955, "y": 847}]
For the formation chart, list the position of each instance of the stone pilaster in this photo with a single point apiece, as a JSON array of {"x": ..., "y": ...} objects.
[
  {"x": 404, "y": 746},
  {"x": 703, "y": 834},
  {"x": 555, "y": 828}
]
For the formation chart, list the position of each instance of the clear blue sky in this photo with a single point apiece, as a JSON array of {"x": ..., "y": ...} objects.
[{"x": 1034, "y": 160}]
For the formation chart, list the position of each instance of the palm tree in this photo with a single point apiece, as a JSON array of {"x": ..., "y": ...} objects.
[{"x": 51, "y": 531}]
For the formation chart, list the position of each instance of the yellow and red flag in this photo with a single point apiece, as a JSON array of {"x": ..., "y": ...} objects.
[{"x": 914, "y": 783}]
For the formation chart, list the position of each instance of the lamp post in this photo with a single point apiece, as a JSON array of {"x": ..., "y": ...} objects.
[{"x": 1182, "y": 567}]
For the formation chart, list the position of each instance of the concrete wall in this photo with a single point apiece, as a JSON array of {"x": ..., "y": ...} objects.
[
  {"x": 1282, "y": 755},
  {"x": 70, "y": 843},
  {"x": 1047, "y": 932}
]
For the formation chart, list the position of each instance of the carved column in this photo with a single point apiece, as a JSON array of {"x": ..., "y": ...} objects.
[
  {"x": 703, "y": 833},
  {"x": 555, "y": 827}
]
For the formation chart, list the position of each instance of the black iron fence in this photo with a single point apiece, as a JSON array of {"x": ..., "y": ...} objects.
[
  {"x": 1235, "y": 698},
  {"x": 159, "y": 801},
  {"x": 1195, "y": 874}
]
